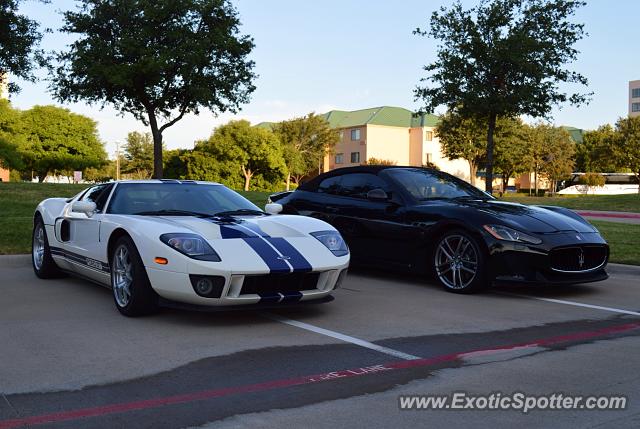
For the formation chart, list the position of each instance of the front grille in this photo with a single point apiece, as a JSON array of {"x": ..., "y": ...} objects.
[
  {"x": 578, "y": 258},
  {"x": 279, "y": 283}
]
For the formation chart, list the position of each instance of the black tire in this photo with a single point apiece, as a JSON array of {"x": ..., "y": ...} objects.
[
  {"x": 467, "y": 255},
  {"x": 142, "y": 299},
  {"x": 43, "y": 264}
]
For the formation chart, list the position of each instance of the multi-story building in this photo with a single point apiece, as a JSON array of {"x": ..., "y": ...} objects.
[
  {"x": 390, "y": 134},
  {"x": 634, "y": 98}
]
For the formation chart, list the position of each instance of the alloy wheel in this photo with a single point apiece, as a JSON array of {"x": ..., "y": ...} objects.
[
  {"x": 456, "y": 261},
  {"x": 122, "y": 275},
  {"x": 38, "y": 247}
]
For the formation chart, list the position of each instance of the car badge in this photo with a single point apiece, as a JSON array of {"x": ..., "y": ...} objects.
[
  {"x": 283, "y": 257},
  {"x": 581, "y": 258}
]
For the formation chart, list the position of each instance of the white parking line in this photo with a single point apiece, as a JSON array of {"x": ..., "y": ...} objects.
[
  {"x": 575, "y": 304},
  {"x": 342, "y": 337}
]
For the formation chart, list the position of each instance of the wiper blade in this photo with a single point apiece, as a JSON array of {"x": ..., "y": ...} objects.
[
  {"x": 172, "y": 213},
  {"x": 240, "y": 212}
]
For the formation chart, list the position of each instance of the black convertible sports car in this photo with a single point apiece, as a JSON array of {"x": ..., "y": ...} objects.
[{"x": 428, "y": 221}]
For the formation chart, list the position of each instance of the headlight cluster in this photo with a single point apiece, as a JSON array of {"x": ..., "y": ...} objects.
[
  {"x": 332, "y": 241},
  {"x": 509, "y": 234},
  {"x": 191, "y": 245}
]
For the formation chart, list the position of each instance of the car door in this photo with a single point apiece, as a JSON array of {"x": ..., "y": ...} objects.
[
  {"x": 82, "y": 243},
  {"x": 373, "y": 228}
]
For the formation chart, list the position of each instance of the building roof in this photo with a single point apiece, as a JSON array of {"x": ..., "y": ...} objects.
[
  {"x": 576, "y": 134},
  {"x": 384, "y": 115}
]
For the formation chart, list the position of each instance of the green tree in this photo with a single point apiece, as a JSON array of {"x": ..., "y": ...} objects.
[
  {"x": 57, "y": 140},
  {"x": 513, "y": 142},
  {"x": 239, "y": 148},
  {"x": 305, "y": 140},
  {"x": 174, "y": 166},
  {"x": 592, "y": 180},
  {"x": 594, "y": 153},
  {"x": 10, "y": 155},
  {"x": 557, "y": 153},
  {"x": 626, "y": 147},
  {"x": 19, "y": 41},
  {"x": 138, "y": 155},
  {"x": 379, "y": 161},
  {"x": 463, "y": 138},
  {"x": 502, "y": 58},
  {"x": 158, "y": 60}
]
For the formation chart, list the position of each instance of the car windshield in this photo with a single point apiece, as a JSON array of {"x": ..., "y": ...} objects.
[
  {"x": 431, "y": 185},
  {"x": 178, "y": 199}
]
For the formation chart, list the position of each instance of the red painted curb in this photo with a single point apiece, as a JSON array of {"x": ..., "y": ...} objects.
[{"x": 309, "y": 379}]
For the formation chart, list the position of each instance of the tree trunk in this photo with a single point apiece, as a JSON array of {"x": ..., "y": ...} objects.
[
  {"x": 638, "y": 180},
  {"x": 157, "y": 145},
  {"x": 288, "y": 181},
  {"x": 41, "y": 176},
  {"x": 473, "y": 170},
  {"x": 535, "y": 178},
  {"x": 488, "y": 185},
  {"x": 248, "y": 174},
  {"x": 505, "y": 182}
]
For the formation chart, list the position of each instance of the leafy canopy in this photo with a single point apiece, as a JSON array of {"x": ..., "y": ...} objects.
[
  {"x": 19, "y": 41},
  {"x": 626, "y": 146},
  {"x": 305, "y": 141},
  {"x": 237, "y": 153},
  {"x": 156, "y": 59},
  {"x": 53, "y": 138},
  {"x": 502, "y": 58}
]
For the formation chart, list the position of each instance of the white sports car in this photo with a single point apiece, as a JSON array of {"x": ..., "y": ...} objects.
[{"x": 189, "y": 242}]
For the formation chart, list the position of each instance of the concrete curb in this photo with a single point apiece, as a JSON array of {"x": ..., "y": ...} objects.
[{"x": 624, "y": 269}]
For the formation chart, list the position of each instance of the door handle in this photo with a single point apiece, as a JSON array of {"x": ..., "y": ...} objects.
[{"x": 331, "y": 209}]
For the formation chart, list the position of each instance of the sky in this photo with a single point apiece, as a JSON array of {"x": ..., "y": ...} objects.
[{"x": 354, "y": 54}]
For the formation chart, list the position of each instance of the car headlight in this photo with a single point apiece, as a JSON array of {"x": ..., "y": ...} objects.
[
  {"x": 332, "y": 241},
  {"x": 191, "y": 245},
  {"x": 509, "y": 234}
]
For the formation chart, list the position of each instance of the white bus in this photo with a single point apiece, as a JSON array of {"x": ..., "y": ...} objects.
[{"x": 615, "y": 184}]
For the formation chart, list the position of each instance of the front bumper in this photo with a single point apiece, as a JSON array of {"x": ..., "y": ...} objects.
[
  {"x": 177, "y": 287},
  {"x": 533, "y": 264}
]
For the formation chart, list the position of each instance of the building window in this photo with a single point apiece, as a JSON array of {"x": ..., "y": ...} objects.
[
  {"x": 428, "y": 136},
  {"x": 341, "y": 134},
  {"x": 635, "y": 93},
  {"x": 355, "y": 134},
  {"x": 355, "y": 157},
  {"x": 635, "y": 107},
  {"x": 339, "y": 158},
  {"x": 428, "y": 158}
]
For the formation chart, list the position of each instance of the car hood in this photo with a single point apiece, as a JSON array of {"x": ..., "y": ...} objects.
[
  {"x": 528, "y": 218},
  {"x": 241, "y": 226}
]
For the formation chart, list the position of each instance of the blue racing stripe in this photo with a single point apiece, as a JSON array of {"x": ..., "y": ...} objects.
[
  {"x": 269, "y": 256},
  {"x": 297, "y": 261},
  {"x": 231, "y": 231}
]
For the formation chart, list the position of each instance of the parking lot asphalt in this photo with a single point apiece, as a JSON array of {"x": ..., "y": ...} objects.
[{"x": 69, "y": 359}]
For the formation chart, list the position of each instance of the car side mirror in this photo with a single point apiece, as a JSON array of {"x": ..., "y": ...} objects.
[
  {"x": 377, "y": 195},
  {"x": 89, "y": 208},
  {"x": 273, "y": 208}
]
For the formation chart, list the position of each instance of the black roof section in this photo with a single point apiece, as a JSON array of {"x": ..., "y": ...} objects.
[{"x": 374, "y": 169}]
